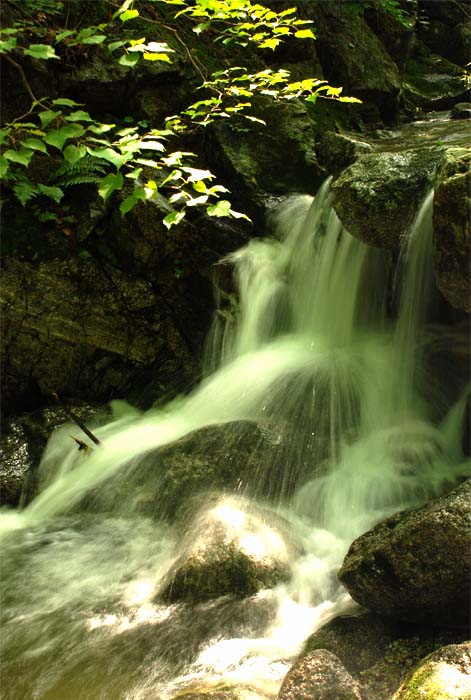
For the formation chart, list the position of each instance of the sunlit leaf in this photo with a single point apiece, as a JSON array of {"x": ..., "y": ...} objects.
[
  {"x": 304, "y": 34},
  {"x": 129, "y": 14},
  {"x": 72, "y": 153},
  {"x": 156, "y": 57},
  {"x": 41, "y": 51},
  {"x": 110, "y": 183},
  {"x": 23, "y": 156},
  {"x": 221, "y": 208},
  {"x": 35, "y": 145},
  {"x": 130, "y": 202},
  {"x": 174, "y": 218}
]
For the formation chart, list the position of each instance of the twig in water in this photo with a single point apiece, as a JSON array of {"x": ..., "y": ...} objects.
[{"x": 73, "y": 416}]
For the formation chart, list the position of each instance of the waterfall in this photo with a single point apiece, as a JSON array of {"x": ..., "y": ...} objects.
[{"x": 309, "y": 345}]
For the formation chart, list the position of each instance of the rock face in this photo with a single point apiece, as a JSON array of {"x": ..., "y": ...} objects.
[
  {"x": 228, "y": 550},
  {"x": 377, "y": 197},
  {"x": 379, "y": 653},
  {"x": 337, "y": 151},
  {"x": 415, "y": 565},
  {"x": 444, "y": 675},
  {"x": 452, "y": 228},
  {"x": 319, "y": 675},
  {"x": 22, "y": 443},
  {"x": 80, "y": 328}
]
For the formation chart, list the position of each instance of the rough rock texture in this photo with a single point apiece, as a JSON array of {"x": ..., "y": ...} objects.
[
  {"x": 79, "y": 328},
  {"x": 377, "y": 197},
  {"x": 337, "y": 151},
  {"x": 452, "y": 227},
  {"x": 415, "y": 565},
  {"x": 353, "y": 56},
  {"x": 461, "y": 111},
  {"x": 22, "y": 443},
  {"x": 444, "y": 28},
  {"x": 319, "y": 675},
  {"x": 444, "y": 675},
  {"x": 229, "y": 550},
  {"x": 243, "y": 456},
  {"x": 379, "y": 653}
]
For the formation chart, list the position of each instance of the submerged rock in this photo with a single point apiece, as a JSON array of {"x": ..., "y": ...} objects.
[
  {"x": 230, "y": 550},
  {"x": 377, "y": 197},
  {"x": 452, "y": 228},
  {"x": 444, "y": 675},
  {"x": 415, "y": 565},
  {"x": 320, "y": 675}
]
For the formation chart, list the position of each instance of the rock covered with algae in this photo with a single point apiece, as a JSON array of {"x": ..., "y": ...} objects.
[
  {"x": 444, "y": 675},
  {"x": 229, "y": 550},
  {"x": 415, "y": 564}
]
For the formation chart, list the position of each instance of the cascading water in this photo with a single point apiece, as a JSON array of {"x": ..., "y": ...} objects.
[{"x": 312, "y": 350}]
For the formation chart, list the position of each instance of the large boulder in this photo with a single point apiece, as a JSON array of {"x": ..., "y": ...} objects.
[
  {"x": 337, "y": 151},
  {"x": 84, "y": 329},
  {"x": 444, "y": 675},
  {"x": 319, "y": 675},
  {"x": 415, "y": 564},
  {"x": 379, "y": 653},
  {"x": 230, "y": 549},
  {"x": 452, "y": 228},
  {"x": 431, "y": 82},
  {"x": 377, "y": 197}
]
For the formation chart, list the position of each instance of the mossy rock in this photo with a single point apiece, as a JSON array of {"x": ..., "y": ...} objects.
[
  {"x": 444, "y": 675},
  {"x": 229, "y": 549},
  {"x": 452, "y": 228}
]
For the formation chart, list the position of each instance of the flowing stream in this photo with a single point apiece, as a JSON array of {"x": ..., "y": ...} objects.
[{"x": 316, "y": 344}]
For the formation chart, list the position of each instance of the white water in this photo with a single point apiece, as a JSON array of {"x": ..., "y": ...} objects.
[{"x": 312, "y": 349}]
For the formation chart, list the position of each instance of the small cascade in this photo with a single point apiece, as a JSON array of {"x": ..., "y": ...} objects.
[{"x": 310, "y": 348}]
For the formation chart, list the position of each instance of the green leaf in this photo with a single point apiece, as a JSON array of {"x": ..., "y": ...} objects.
[
  {"x": 110, "y": 155},
  {"x": 35, "y": 145},
  {"x": 221, "y": 208},
  {"x": 270, "y": 44},
  {"x": 134, "y": 174},
  {"x": 156, "y": 57},
  {"x": 110, "y": 183},
  {"x": 72, "y": 153},
  {"x": 58, "y": 137},
  {"x": 100, "y": 128},
  {"x": 4, "y": 165},
  {"x": 65, "y": 102},
  {"x": 202, "y": 27},
  {"x": 196, "y": 174},
  {"x": 95, "y": 39},
  {"x": 48, "y": 116},
  {"x": 8, "y": 45},
  {"x": 24, "y": 191},
  {"x": 349, "y": 99},
  {"x": 78, "y": 116},
  {"x": 23, "y": 156},
  {"x": 54, "y": 193},
  {"x": 174, "y": 218},
  {"x": 129, "y": 14},
  {"x": 63, "y": 35},
  {"x": 115, "y": 45},
  {"x": 130, "y": 202},
  {"x": 304, "y": 34},
  {"x": 129, "y": 60},
  {"x": 152, "y": 146},
  {"x": 41, "y": 51}
]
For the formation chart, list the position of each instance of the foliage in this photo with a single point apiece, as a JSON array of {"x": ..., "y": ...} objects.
[
  {"x": 143, "y": 161},
  {"x": 390, "y": 7}
]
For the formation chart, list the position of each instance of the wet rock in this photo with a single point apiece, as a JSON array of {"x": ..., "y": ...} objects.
[
  {"x": 354, "y": 57},
  {"x": 452, "y": 228},
  {"x": 380, "y": 653},
  {"x": 376, "y": 198},
  {"x": 431, "y": 82},
  {"x": 337, "y": 151},
  {"x": 239, "y": 456},
  {"x": 444, "y": 675},
  {"x": 83, "y": 329},
  {"x": 461, "y": 111},
  {"x": 229, "y": 550},
  {"x": 319, "y": 675},
  {"x": 415, "y": 565},
  {"x": 22, "y": 444}
]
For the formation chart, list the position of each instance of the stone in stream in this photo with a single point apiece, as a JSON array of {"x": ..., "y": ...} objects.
[
  {"x": 380, "y": 653},
  {"x": 320, "y": 675},
  {"x": 444, "y": 675},
  {"x": 377, "y": 197},
  {"x": 229, "y": 549},
  {"x": 452, "y": 227},
  {"x": 461, "y": 111},
  {"x": 415, "y": 565}
]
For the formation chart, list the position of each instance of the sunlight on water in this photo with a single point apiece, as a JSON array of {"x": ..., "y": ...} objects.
[{"x": 310, "y": 348}]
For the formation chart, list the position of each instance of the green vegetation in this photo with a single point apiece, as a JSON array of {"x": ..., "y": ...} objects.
[{"x": 84, "y": 149}]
